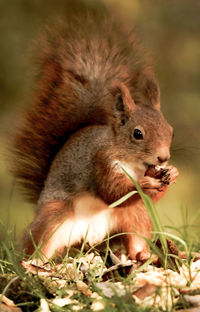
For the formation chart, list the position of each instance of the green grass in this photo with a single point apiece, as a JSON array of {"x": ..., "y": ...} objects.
[{"x": 26, "y": 290}]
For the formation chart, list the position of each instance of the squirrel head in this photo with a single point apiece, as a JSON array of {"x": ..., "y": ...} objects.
[{"x": 142, "y": 136}]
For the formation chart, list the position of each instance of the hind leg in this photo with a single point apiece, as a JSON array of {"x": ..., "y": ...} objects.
[
  {"x": 134, "y": 219},
  {"x": 44, "y": 232}
]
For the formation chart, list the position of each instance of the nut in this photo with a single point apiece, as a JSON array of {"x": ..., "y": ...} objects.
[{"x": 156, "y": 172}]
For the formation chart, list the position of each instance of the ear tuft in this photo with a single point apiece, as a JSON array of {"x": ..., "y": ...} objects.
[
  {"x": 152, "y": 92},
  {"x": 124, "y": 105},
  {"x": 125, "y": 102}
]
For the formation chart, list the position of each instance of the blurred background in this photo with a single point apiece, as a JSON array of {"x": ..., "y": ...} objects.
[{"x": 170, "y": 30}]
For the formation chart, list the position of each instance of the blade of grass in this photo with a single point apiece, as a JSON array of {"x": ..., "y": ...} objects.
[
  {"x": 123, "y": 199},
  {"x": 107, "y": 247},
  {"x": 152, "y": 212},
  {"x": 10, "y": 197}
]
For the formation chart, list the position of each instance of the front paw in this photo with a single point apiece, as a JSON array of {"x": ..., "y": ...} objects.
[
  {"x": 156, "y": 182},
  {"x": 152, "y": 187},
  {"x": 172, "y": 174},
  {"x": 159, "y": 178},
  {"x": 150, "y": 183}
]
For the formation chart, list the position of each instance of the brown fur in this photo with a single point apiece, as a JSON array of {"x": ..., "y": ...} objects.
[
  {"x": 95, "y": 89},
  {"x": 71, "y": 92},
  {"x": 43, "y": 226}
]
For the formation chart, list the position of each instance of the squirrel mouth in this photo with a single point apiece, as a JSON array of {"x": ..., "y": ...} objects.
[
  {"x": 156, "y": 171},
  {"x": 156, "y": 166},
  {"x": 147, "y": 165}
]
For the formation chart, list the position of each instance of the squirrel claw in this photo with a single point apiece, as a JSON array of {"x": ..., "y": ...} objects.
[
  {"x": 165, "y": 180},
  {"x": 173, "y": 174}
]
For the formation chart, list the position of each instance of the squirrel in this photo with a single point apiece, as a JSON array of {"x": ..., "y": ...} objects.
[{"x": 95, "y": 112}]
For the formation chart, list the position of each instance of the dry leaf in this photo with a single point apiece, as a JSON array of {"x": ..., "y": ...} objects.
[
  {"x": 145, "y": 291},
  {"x": 7, "y": 301},
  {"x": 193, "y": 300},
  {"x": 95, "y": 295},
  {"x": 7, "y": 308},
  {"x": 97, "y": 305},
  {"x": 61, "y": 302},
  {"x": 109, "y": 289},
  {"x": 165, "y": 298},
  {"x": 44, "y": 307},
  {"x": 41, "y": 270},
  {"x": 83, "y": 287},
  {"x": 77, "y": 307}
]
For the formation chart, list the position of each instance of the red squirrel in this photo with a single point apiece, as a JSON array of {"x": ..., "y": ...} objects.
[{"x": 96, "y": 110}]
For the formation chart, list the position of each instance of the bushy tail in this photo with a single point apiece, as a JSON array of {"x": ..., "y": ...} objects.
[
  {"x": 77, "y": 65},
  {"x": 62, "y": 105}
]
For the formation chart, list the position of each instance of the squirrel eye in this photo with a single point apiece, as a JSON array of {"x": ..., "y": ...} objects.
[{"x": 138, "y": 135}]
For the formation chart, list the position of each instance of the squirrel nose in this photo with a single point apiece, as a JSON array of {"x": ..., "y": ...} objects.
[
  {"x": 163, "y": 159},
  {"x": 164, "y": 156}
]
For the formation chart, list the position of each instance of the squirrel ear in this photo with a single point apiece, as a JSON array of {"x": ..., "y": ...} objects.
[
  {"x": 125, "y": 104},
  {"x": 152, "y": 92}
]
